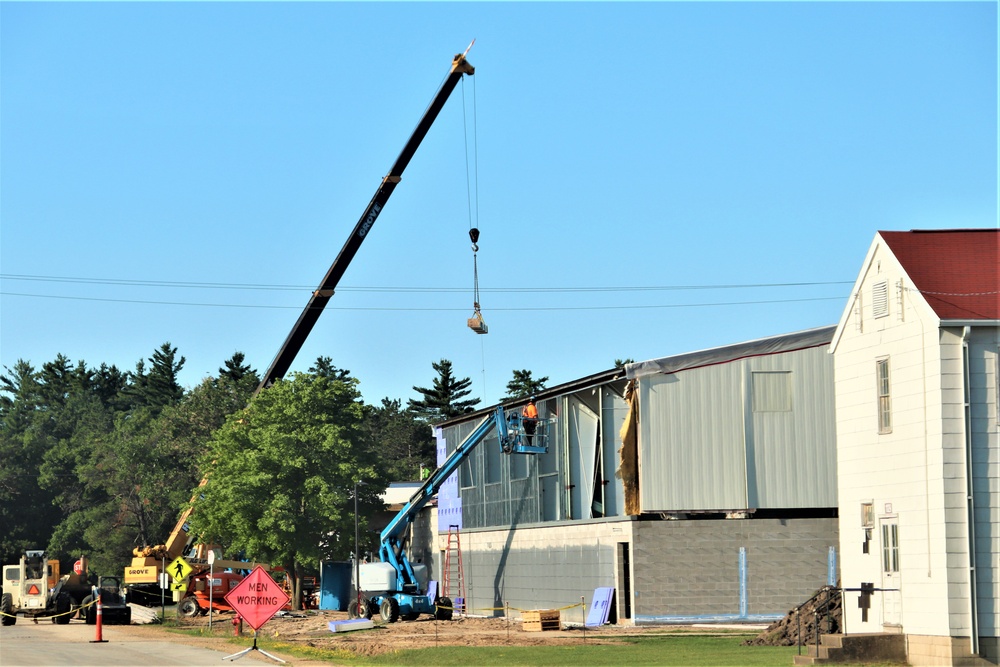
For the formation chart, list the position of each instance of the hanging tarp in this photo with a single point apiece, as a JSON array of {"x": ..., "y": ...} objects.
[{"x": 628, "y": 455}]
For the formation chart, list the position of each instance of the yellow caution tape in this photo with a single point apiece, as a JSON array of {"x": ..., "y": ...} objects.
[{"x": 65, "y": 613}]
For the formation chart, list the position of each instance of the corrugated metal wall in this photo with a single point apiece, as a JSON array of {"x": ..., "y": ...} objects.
[
  {"x": 575, "y": 479},
  {"x": 752, "y": 433}
]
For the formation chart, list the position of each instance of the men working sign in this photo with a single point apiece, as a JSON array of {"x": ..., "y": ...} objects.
[{"x": 257, "y": 598}]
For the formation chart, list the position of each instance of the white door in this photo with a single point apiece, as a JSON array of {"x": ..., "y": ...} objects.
[{"x": 891, "y": 594}]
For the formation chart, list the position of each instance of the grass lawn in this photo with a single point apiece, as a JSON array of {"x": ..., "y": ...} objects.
[{"x": 631, "y": 652}]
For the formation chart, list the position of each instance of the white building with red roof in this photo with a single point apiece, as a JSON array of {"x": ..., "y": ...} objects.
[{"x": 917, "y": 374}]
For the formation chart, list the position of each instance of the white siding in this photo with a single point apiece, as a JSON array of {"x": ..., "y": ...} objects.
[
  {"x": 901, "y": 472},
  {"x": 918, "y": 472},
  {"x": 984, "y": 361}
]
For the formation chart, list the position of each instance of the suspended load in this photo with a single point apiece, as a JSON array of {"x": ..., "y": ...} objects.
[{"x": 476, "y": 322}]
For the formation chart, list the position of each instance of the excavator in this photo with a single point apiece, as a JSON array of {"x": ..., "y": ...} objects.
[
  {"x": 143, "y": 574},
  {"x": 394, "y": 587}
]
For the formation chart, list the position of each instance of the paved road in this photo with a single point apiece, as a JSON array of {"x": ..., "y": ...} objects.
[{"x": 49, "y": 645}]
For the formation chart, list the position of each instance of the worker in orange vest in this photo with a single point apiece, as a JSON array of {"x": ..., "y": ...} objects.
[{"x": 529, "y": 418}]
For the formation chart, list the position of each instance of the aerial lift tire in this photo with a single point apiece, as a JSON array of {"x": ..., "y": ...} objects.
[
  {"x": 188, "y": 607},
  {"x": 444, "y": 610},
  {"x": 389, "y": 610}
]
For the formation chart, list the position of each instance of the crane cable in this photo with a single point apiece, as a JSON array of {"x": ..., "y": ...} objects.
[{"x": 476, "y": 322}]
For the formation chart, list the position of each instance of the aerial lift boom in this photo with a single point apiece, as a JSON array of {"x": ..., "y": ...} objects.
[
  {"x": 146, "y": 564},
  {"x": 396, "y": 589}
]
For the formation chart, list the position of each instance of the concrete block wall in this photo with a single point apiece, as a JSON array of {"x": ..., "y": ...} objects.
[
  {"x": 935, "y": 650},
  {"x": 542, "y": 567},
  {"x": 690, "y": 569}
]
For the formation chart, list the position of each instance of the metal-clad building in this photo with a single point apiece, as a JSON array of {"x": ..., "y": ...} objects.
[
  {"x": 721, "y": 507},
  {"x": 747, "y": 426}
]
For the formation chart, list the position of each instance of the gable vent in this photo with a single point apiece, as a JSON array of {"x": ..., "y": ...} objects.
[{"x": 880, "y": 299}]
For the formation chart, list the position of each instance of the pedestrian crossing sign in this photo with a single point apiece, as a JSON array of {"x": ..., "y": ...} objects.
[{"x": 179, "y": 569}]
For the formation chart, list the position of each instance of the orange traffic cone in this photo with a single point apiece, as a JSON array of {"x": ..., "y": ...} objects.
[{"x": 100, "y": 623}]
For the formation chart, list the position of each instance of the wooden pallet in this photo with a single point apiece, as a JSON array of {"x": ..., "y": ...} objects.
[{"x": 540, "y": 619}]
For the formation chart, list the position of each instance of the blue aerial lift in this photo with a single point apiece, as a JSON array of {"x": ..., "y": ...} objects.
[{"x": 395, "y": 589}]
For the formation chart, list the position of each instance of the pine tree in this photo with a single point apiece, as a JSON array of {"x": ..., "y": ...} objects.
[
  {"x": 324, "y": 368},
  {"x": 522, "y": 385},
  {"x": 443, "y": 401},
  {"x": 403, "y": 442},
  {"x": 235, "y": 369},
  {"x": 157, "y": 387}
]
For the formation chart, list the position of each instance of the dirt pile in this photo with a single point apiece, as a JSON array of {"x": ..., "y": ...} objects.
[
  {"x": 822, "y": 611},
  {"x": 310, "y": 629}
]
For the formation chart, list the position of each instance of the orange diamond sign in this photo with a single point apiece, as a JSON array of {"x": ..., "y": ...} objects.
[{"x": 257, "y": 598}]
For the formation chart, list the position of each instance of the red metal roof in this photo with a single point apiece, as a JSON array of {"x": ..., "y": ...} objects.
[{"x": 955, "y": 270}]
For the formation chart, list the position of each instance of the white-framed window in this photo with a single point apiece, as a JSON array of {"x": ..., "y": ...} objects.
[
  {"x": 890, "y": 546},
  {"x": 880, "y": 298},
  {"x": 884, "y": 396}
]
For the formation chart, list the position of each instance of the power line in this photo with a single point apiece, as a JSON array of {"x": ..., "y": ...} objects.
[
  {"x": 429, "y": 310},
  {"x": 407, "y": 289}
]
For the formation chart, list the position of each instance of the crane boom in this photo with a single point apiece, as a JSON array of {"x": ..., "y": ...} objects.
[
  {"x": 317, "y": 302},
  {"x": 146, "y": 564}
]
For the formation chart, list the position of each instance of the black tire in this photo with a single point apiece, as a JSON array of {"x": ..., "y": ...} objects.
[
  {"x": 372, "y": 609},
  {"x": 389, "y": 610},
  {"x": 443, "y": 611},
  {"x": 64, "y": 607},
  {"x": 7, "y": 609},
  {"x": 352, "y": 610},
  {"x": 90, "y": 613},
  {"x": 188, "y": 607}
]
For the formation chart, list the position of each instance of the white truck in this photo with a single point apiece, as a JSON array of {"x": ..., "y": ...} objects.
[{"x": 35, "y": 589}]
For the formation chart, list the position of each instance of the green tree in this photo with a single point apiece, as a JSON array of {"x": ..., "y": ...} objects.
[
  {"x": 522, "y": 385},
  {"x": 51, "y": 420},
  {"x": 404, "y": 444},
  {"x": 324, "y": 367},
  {"x": 26, "y": 510},
  {"x": 235, "y": 370},
  {"x": 621, "y": 363},
  {"x": 158, "y": 386},
  {"x": 153, "y": 458},
  {"x": 444, "y": 399},
  {"x": 281, "y": 475}
]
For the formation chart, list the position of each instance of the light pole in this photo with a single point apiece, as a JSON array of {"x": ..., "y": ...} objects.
[{"x": 357, "y": 561}]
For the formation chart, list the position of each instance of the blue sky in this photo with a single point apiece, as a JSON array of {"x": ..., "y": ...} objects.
[{"x": 616, "y": 153}]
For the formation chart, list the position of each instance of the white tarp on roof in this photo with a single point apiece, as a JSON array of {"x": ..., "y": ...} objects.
[{"x": 718, "y": 355}]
